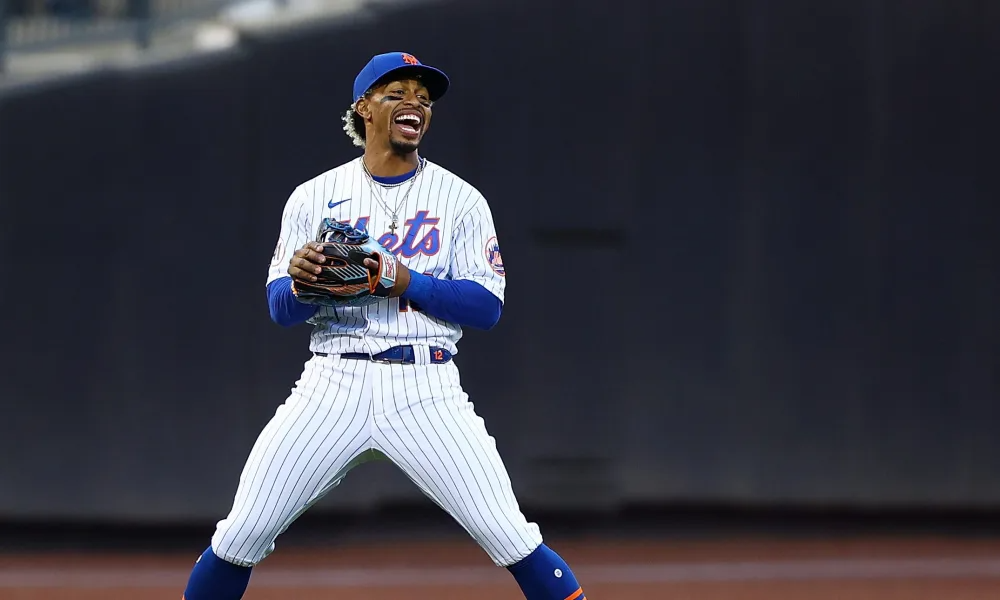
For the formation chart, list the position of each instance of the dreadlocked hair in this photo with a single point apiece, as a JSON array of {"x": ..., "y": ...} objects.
[{"x": 354, "y": 127}]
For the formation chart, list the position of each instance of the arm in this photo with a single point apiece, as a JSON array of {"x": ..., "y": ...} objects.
[
  {"x": 462, "y": 301},
  {"x": 473, "y": 294},
  {"x": 284, "y": 307},
  {"x": 286, "y": 310}
]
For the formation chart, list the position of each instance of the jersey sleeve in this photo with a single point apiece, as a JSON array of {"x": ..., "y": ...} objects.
[
  {"x": 296, "y": 225},
  {"x": 477, "y": 251}
]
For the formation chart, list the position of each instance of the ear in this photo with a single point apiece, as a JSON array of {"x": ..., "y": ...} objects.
[{"x": 363, "y": 108}]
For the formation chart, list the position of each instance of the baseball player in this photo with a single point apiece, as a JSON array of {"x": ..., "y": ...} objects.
[{"x": 381, "y": 382}]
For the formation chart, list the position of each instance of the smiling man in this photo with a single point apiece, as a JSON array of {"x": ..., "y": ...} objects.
[{"x": 381, "y": 382}]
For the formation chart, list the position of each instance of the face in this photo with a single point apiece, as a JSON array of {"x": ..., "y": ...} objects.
[{"x": 398, "y": 112}]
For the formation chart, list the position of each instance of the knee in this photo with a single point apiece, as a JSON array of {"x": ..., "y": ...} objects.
[
  {"x": 519, "y": 554},
  {"x": 511, "y": 546},
  {"x": 243, "y": 544}
]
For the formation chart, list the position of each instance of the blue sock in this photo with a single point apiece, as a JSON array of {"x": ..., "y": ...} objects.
[
  {"x": 215, "y": 579},
  {"x": 544, "y": 575}
]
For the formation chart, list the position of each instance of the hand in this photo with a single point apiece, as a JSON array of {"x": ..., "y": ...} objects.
[
  {"x": 304, "y": 265},
  {"x": 402, "y": 276}
]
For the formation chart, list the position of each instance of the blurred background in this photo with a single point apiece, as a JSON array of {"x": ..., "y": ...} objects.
[{"x": 805, "y": 192}]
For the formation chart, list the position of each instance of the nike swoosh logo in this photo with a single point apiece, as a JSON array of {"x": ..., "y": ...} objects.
[{"x": 333, "y": 204}]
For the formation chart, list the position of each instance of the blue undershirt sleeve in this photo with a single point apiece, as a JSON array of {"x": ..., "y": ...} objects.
[
  {"x": 286, "y": 310},
  {"x": 454, "y": 300}
]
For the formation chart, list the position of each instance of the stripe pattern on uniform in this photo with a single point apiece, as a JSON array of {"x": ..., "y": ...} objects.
[{"x": 342, "y": 412}]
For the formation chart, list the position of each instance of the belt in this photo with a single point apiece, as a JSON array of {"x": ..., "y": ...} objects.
[{"x": 400, "y": 355}]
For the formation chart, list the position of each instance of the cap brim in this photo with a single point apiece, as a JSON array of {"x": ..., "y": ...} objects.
[{"x": 435, "y": 80}]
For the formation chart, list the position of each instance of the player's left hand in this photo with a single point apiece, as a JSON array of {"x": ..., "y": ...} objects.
[
  {"x": 355, "y": 270},
  {"x": 402, "y": 276}
]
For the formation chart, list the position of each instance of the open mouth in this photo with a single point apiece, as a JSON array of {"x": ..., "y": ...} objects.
[{"x": 409, "y": 123}]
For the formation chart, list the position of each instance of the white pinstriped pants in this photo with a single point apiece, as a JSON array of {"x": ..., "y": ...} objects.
[{"x": 341, "y": 413}]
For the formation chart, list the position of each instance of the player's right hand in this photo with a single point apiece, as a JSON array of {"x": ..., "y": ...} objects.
[{"x": 305, "y": 263}]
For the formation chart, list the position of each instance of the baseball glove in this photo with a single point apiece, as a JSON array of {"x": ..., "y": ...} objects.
[{"x": 345, "y": 280}]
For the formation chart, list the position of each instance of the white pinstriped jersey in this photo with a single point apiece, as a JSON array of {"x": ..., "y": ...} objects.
[{"x": 445, "y": 229}]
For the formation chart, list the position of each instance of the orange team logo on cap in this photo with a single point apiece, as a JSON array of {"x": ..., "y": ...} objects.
[{"x": 410, "y": 59}]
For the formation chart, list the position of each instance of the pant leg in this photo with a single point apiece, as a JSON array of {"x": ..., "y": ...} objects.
[
  {"x": 426, "y": 425},
  {"x": 320, "y": 433}
]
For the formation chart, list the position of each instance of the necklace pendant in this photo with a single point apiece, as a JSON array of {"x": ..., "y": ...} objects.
[{"x": 392, "y": 227}]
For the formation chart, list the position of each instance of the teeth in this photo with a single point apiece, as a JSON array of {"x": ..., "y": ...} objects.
[{"x": 408, "y": 117}]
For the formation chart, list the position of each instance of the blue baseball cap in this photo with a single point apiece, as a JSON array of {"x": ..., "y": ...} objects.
[{"x": 400, "y": 62}]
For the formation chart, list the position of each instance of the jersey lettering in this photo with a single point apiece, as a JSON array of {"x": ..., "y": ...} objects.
[
  {"x": 430, "y": 241},
  {"x": 429, "y": 244}
]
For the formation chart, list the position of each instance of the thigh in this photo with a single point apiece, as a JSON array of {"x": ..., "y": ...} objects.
[
  {"x": 431, "y": 431},
  {"x": 313, "y": 440}
]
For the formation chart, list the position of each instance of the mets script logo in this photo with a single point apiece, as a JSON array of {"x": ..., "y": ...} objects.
[
  {"x": 493, "y": 256},
  {"x": 420, "y": 235}
]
